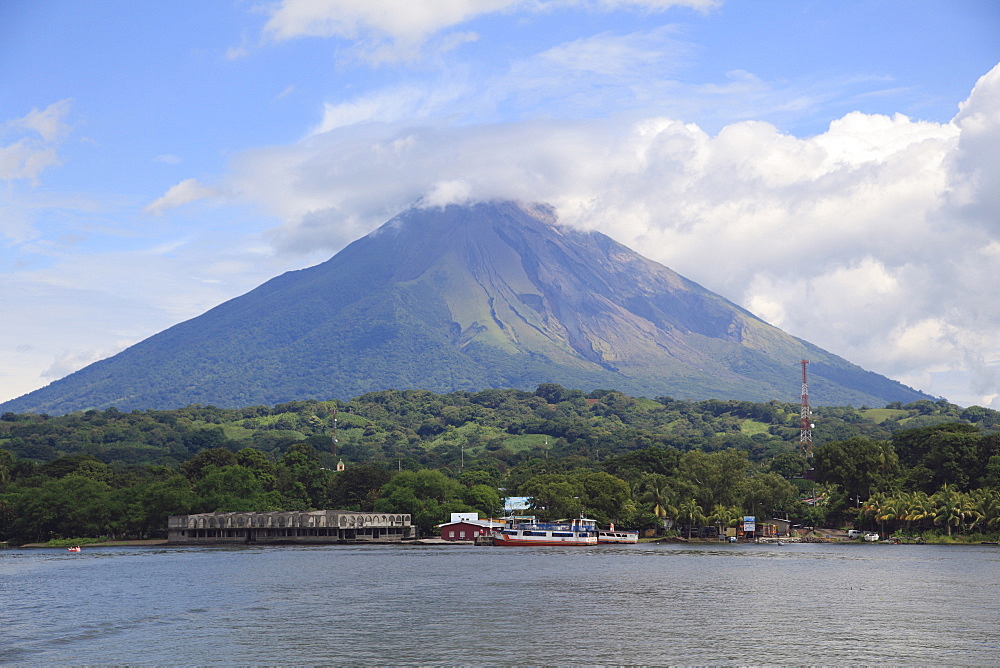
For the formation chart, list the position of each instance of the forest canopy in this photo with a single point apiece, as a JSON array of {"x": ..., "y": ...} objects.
[{"x": 632, "y": 461}]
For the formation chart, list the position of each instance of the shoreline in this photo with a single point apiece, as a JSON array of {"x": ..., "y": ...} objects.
[
  {"x": 157, "y": 542},
  {"x": 107, "y": 543}
]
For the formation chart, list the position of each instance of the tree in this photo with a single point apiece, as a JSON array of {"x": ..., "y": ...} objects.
[
  {"x": 66, "y": 507},
  {"x": 767, "y": 494},
  {"x": 205, "y": 439},
  {"x": 644, "y": 521},
  {"x": 552, "y": 393},
  {"x": 690, "y": 513},
  {"x": 915, "y": 507},
  {"x": 480, "y": 477},
  {"x": 86, "y": 465},
  {"x": 940, "y": 454},
  {"x": 951, "y": 507},
  {"x": 987, "y": 504},
  {"x": 427, "y": 495},
  {"x": 484, "y": 499},
  {"x": 879, "y": 508},
  {"x": 158, "y": 500},
  {"x": 608, "y": 498},
  {"x": 229, "y": 489},
  {"x": 717, "y": 477},
  {"x": 859, "y": 465},
  {"x": 788, "y": 465},
  {"x": 656, "y": 492},
  {"x": 724, "y": 516},
  {"x": 517, "y": 477},
  {"x": 217, "y": 457},
  {"x": 300, "y": 478},
  {"x": 555, "y": 495},
  {"x": 6, "y": 466},
  {"x": 632, "y": 465},
  {"x": 256, "y": 461},
  {"x": 357, "y": 487}
]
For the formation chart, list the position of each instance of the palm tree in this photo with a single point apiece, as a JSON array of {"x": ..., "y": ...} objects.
[
  {"x": 873, "y": 506},
  {"x": 973, "y": 508},
  {"x": 989, "y": 506},
  {"x": 657, "y": 492},
  {"x": 917, "y": 506},
  {"x": 689, "y": 512},
  {"x": 891, "y": 509},
  {"x": 724, "y": 516},
  {"x": 950, "y": 508}
]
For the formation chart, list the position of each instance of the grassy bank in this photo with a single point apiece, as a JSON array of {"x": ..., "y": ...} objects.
[{"x": 95, "y": 542}]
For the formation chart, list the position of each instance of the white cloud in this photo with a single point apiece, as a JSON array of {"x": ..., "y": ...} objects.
[
  {"x": 188, "y": 190},
  {"x": 236, "y": 53},
  {"x": 390, "y": 31},
  {"x": 653, "y": 5},
  {"x": 25, "y": 160},
  {"x": 598, "y": 76},
  {"x": 49, "y": 123},
  {"x": 69, "y": 361},
  {"x": 443, "y": 193},
  {"x": 976, "y": 190},
  {"x": 874, "y": 239},
  {"x": 41, "y": 132},
  {"x": 860, "y": 138},
  {"x": 386, "y": 30},
  {"x": 389, "y": 105},
  {"x": 614, "y": 56}
]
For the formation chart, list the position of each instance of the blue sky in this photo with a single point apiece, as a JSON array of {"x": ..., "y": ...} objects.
[{"x": 808, "y": 160}]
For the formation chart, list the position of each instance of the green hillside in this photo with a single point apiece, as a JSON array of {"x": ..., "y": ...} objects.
[{"x": 428, "y": 429}]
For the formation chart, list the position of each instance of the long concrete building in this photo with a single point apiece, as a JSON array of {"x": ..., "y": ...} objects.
[{"x": 306, "y": 526}]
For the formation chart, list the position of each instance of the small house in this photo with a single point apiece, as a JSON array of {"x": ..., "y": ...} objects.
[
  {"x": 783, "y": 527},
  {"x": 467, "y": 528}
]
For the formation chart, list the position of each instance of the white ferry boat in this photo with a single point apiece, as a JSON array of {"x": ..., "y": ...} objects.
[
  {"x": 526, "y": 531},
  {"x": 618, "y": 537}
]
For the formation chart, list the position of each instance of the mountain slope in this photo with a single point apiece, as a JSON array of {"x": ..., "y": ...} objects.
[{"x": 464, "y": 298}]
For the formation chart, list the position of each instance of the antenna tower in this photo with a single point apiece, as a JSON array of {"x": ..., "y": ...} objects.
[
  {"x": 334, "y": 430},
  {"x": 805, "y": 421}
]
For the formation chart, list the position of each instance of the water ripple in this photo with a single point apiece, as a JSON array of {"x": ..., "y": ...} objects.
[{"x": 646, "y": 604}]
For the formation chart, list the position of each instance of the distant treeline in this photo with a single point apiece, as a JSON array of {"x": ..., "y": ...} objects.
[{"x": 632, "y": 461}]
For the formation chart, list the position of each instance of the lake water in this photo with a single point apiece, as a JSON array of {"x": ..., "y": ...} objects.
[{"x": 646, "y": 604}]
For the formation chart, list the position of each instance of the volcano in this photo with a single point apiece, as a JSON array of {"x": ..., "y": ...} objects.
[{"x": 489, "y": 295}]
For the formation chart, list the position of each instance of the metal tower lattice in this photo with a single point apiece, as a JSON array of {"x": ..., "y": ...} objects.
[
  {"x": 334, "y": 436},
  {"x": 805, "y": 417}
]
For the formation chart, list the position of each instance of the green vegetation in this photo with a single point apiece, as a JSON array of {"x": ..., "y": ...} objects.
[
  {"x": 634, "y": 462},
  {"x": 905, "y": 514},
  {"x": 880, "y": 415}
]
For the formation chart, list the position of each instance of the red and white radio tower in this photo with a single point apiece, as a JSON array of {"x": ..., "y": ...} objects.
[{"x": 805, "y": 421}]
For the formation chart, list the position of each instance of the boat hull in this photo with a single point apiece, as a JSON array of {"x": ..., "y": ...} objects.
[
  {"x": 513, "y": 541},
  {"x": 569, "y": 533}
]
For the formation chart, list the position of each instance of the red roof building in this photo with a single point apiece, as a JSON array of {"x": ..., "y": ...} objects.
[{"x": 467, "y": 529}]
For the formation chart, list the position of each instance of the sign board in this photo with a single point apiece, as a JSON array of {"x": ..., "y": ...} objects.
[
  {"x": 513, "y": 504},
  {"x": 749, "y": 523},
  {"x": 464, "y": 517}
]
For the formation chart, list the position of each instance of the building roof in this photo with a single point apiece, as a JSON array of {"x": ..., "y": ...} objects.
[{"x": 486, "y": 524}]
